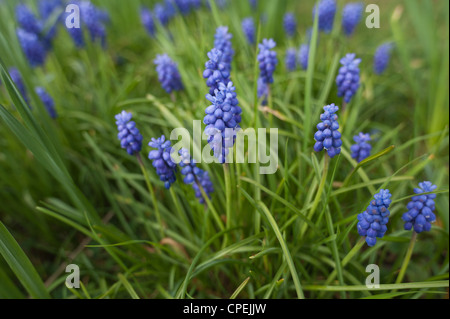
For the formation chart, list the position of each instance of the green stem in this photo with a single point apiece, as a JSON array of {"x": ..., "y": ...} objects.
[
  {"x": 409, "y": 252},
  {"x": 152, "y": 193},
  {"x": 226, "y": 173},
  {"x": 180, "y": 211},
  {"x": 210, "y": 206}
]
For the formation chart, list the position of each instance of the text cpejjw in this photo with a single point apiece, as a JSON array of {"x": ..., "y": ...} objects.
[{"x": 233, "y": 308}]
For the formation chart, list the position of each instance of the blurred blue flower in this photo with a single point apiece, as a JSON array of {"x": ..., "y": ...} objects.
[
  {"x": 267, "y": 59},
  {"x": 32, "y": 47},
  {"x": 420, "y": 209},
  {"x": 263, "y": 91},
  {"x": 27, "y": 20},
  {"x": 129, "y": 136},
  {"x": 162, "y": 160},
  {"x": 16, "y": 77},
  {"x": 47, "y": 100},
  {"x": 351, "y": 16},
  {"x": 382, "y": 57},
  {"x": 361, "y": 150},
  {"x": 168, "y": 74},
  {"x": 147, "y": 21},
  {"x": 161, "y": 13},
  {"x": 327, "y": 136},
  {"x": 326, "y": 13},
  {"x": 348, "y": 78},
  {"x": 248, "y": 27},
  {"x": 372, "y": 222},
  {"x": 291, "y": 59},
  {"x": 290, "y": 24},
  {"x": 303, "y": 56}
]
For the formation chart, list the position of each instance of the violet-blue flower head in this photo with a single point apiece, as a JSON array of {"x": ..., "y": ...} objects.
[
  {"x": 27, "y": 20},
  {"x": 351, "y": 16},
  {"x": 47, "y": 100},
  {"x": 216, "y": 71},
  {"x": 372, "y": 222},
  {"x": 222, "y": 42},
  {"x": 168, "y": 74},
  {"x": 290, "y": 24},
  {"x": 16, "y": 77},
  {"x": 328, "y": 136},
  {"x": 348, "y": 78},
  {"x": 129, "y": 136},
  {"x": 382, "y": 57},
  {"x": 222, "y": 119},
  {"x": 32, "y": 47},
  {"x": 195, "y": 176},
  {"x": 248, "y": 27},
  {"x": 162, "y": 160},
  {"x": 267, "y": 59},
  {"x": 303, "y": 56},
  {"x": 161, "y": 14},
  {"x": 361, "y": 150},
  {"x": 327, "y": 11},
  {"x": 291, "y": 59},
  {"x": 148, "y": 21},
  {"x": 421, "y": 208}
]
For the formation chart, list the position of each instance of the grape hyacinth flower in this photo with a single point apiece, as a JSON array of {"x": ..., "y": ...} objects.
[
  {"x": 290, "y": 24},
  {"x": 129, "y": 136},
  {"x": 222, "y": 119},
  {"x": 183, "y": 6},
  {"x": 48, "y": 7},
  {"x": 328, "y": 137},
  {"x": 291, "y": 59},
  {"x": 47, "y": 100},
  {"x": 248, "y": 27},
  {"x": 253, "y": 3},
  {"x": 372, "y": 222},
  {"x": 162, "y": 160},
  {"x": 222, "y": 42},
  {"x": 147, "y": 21},
  {"x": 351, "y": 16},
  {"x": 32, "y": 47},
  {"x": 326, "y": 13},
  {"x": 267, "y": 60},
  {"x": 161, "y": 14},
  {"x": 303, "y": 56},
  {"x": 216, "y": 71},
  {"x": 263, "y": 91},
  {"x": 195, "y": 176},
  {"x": 168, "y": 74},
  {"x": 27, "y": 20},
  {"x": 16, "y": 77},
  {"x": 361, "y": 150},
  {"x": 420, "y": 209},
  {"x": 348, "y": 78},
  {"x": 382, "y": 57}
]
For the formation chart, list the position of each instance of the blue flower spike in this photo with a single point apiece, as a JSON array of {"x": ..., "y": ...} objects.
[
  {"x": 195, "y": 176},
  {"x": 351, "y": 17},
  {"x": 129, "y": 135},
  {"x": 267, "y": 59},
  {"x": 372, "y": 222},
  {"x": 222, "y": 42},
  {"x": 348, "y": 78},
  {"x": 249, "y": 29},
  {"x": 361, "y": 150},
  {"x": 303, "y": 56},
  {"x": 216, "y": 71},
  {"x": 326, "y": 14},
  {"x": 291, "y": 59},
  {"x": 328, "y": 136},
  {"x": 48, "y": 102},
  {"x": 290, "y": 24},
  {"x": 382, "y": 57},
  {"x": 168, "y": 74},
  {"x": 162, "y": 160},
  {"x": 421, "y": 209}
]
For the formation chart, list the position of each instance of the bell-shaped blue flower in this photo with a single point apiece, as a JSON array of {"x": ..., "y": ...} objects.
[
  {"x": 328, "y": 136},
  {"x": 420, "y": 214}
]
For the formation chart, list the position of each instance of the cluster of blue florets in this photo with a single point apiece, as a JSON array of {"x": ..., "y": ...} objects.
[
  {"x": 291, "y": 59},
  {"x": 195, "y": 176},
  {"x": 290, "y": 24},
  {"x": 168, "y": 74},
  {"x": 16, "y": 77},
  {"x": 267, "y": 59},
  {"x": 129, "y": 135},
  {"x": 328, "y": 137},
  {"x": 361, "y": 150},
  {"x": 222, "y": 120},
  {"x": 326, "y": 12},
  {"x": 420, "y": 209},
  {"x": 382, "y": 57},
  {"x": 216, "y": 70},
  {"x": 348, "y": 78},
  {"x": 351, "y": 16},
  {"x": 372, "y": 222},
  {"x": 303, "y": 56},
  {"x": 47, "y": 100},
  {"x": 248, "y": 27},
  {"x": 222, "y": 42},
  {"x": 162, "y": 161}
]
